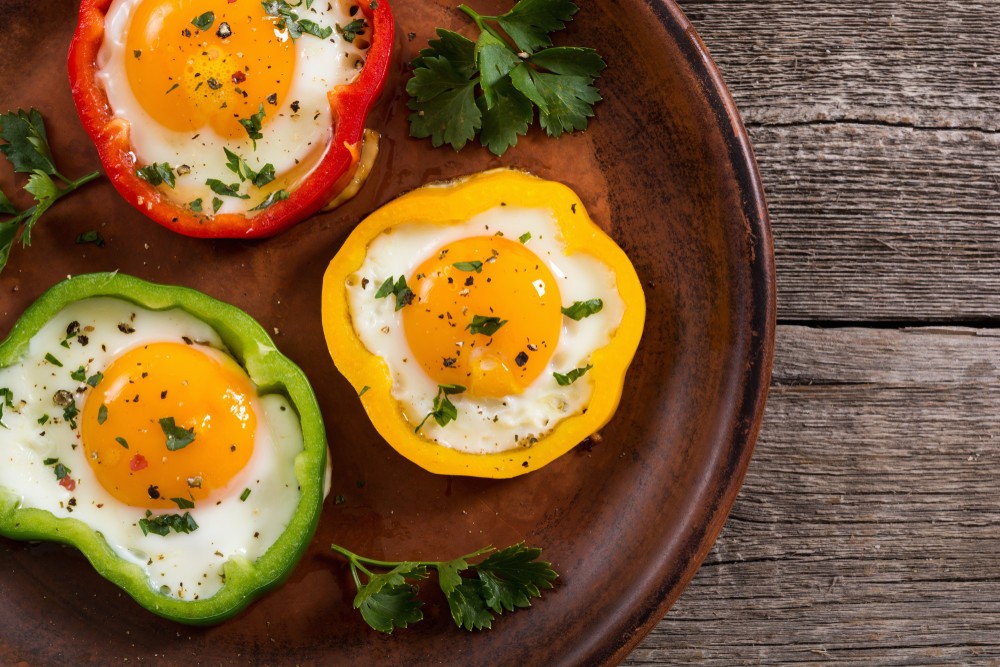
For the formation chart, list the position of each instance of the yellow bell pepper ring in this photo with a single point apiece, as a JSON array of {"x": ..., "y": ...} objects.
[{"x": 438, "y": 230}]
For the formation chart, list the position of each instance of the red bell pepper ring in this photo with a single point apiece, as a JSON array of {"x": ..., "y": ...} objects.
[{"x": 350, "y": 105}]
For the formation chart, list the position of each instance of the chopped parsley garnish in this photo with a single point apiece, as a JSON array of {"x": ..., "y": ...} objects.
[
  {"x": 363, "y": 391},
  {"x": 102, "y": 414},
  {"x": 92, "y": 237},
  {"x": 444, "y": 411},
  {"x": 58, "y": 468},
  {"x": 239, "y": 166},
  {"x": 203, "y": 22},
  {"x": 122, "y": 441},
  {"x": 474, "y": 265},
  {"x": 572, "y": 376},
  {"x": 505, "y": 581},
  {"x": 276, "y": 196},
  {"x": 582, "y": 309},
  {"x": 351, "y": 30},
  {"x": 95, "y": 379},
  {"x": 217, "y": 204},
  {"x": 485, "y": 324},
  {"x": 226, "y": 190},
  {"x": 253, "y": 124},
  {"x": 52, "y": 360},
  {"x": 157, "y": 173},
  {"x": 290, "y": 21},
  {"x": 27, "y": 148},
  {"x": 525, "y": 237},
  {"x": 183, "y": 503},
  {"x": 80, "y": 374},
  {"x": 178, "y": 437},
  {"x": 404, "y": 296},
  {"x": 245, "y": 495},
  {"x": 7, "y": 400},
  {"x": 516, "y": 68},
  {"x": 70, "y": 412},
  {"x": 195, "y": 205},
  {"x": 164, "y": 523},
  {"x": 172, "y": 88}
]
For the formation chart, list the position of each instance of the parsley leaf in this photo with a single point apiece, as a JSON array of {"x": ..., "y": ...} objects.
[
  {"x": 572, "y": 376},
  {"x": 448, "y": 75},
  {"x": 582, "y": 309},
  {"x": 276, "y": 196},
  {"x": 474, "y": 265},
  {"x": 289, "y": 21},
  {"x": 164, "y": 523},
  {"x": 6, "y": 400},
  {"x": 351, "y": 30},
  {"x": 443, "y": 98},
  {"x": 183, "y": 503},
  {"x": 226, "y": 190},
  {"x": 404, "y": 295},
  {"x": 476, "y": 593},
  {"x": 239, "y": 166},
  {"x": 443, "y": 410},
  {"x": 157, "y": 173},
  {"x": 178, "y": 437},
  {"x": 91, "y": 236},
  {"x": 203, "y": 22},
  {"x": 485, "y": 324},
  {"x": 253, "y": 125},
  {"x": 26, "y": 146},
  {"x": 529, "y": 22}
]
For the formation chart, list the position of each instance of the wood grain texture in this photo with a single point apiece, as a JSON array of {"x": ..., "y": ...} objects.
[
  {"x": 867, "y": 529},
  {"x": 920, "y": 64},
  {"x": 875, "y": 125}
]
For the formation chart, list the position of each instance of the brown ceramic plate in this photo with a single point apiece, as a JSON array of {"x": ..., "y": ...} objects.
[{"x": 665, "y": 167}]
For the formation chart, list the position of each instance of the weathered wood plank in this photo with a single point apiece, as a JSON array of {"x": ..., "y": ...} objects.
[
  {"x": 916, "y": 63},
  {"x": 867, "y": 529},
  {"x": 883, "y": 223}
]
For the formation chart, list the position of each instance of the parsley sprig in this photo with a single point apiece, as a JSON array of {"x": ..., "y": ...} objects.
[
  {"x": 506, "y": 580},
  {"x": 492, "y": 86},
  {"x": 27, "y": 149}
]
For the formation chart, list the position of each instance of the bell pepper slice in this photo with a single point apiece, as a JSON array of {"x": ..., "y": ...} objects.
[
  {"x": 252, "y": 348},
  {"x": 443, "y": 205},
  {"x": 350, "y": 105}
]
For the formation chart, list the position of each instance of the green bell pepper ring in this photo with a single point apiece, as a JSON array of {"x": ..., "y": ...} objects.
[{"x": 252, "y": 348}]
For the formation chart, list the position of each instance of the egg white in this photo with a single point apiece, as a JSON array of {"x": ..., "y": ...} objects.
[
  {"x": 485, "y": 424},
  {"x": 187, "y": 566},
  {"x": 290, "y": 137}
]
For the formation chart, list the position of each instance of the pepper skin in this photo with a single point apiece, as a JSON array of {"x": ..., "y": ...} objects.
[
  {"x": 350, "y": 105},
  {"x": 250, "y": 345},
  {"x": 458, "y": 201}
]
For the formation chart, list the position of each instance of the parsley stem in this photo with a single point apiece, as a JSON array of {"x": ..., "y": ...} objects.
[
  {"x": 481, "y": 23},
  {"x": 73, "y": 185}
]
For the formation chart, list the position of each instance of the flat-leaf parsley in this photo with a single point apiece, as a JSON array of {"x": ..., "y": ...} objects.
[
  {"x": 492, "y": 86},
  {"x": 506, "y": 580}
]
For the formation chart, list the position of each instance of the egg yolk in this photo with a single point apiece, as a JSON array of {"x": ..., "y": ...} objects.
[
  {"x": 186, "y": 77},
  {"x": 485, "y": 315},
  {"x": 168, "y": 421}
]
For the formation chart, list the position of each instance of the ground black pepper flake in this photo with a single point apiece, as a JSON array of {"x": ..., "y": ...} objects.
[
  {"x": 153, "y": 491},
  {"x": 521, "y": 359}
]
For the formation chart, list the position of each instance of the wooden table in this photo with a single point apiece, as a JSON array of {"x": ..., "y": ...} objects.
[{"x": 868, "y": 528}]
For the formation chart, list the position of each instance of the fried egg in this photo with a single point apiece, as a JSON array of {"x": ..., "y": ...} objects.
[
  {"x": 506, "y": 268},
  {"x": 204, "y": 84},
  {"x": 140, "y": 424}
]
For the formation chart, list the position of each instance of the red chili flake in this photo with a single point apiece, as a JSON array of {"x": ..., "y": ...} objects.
[
  {"x": 137, "y": 463},
  {"x": 68, "y": 483},
  {"x": 239, "y": 77}
]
